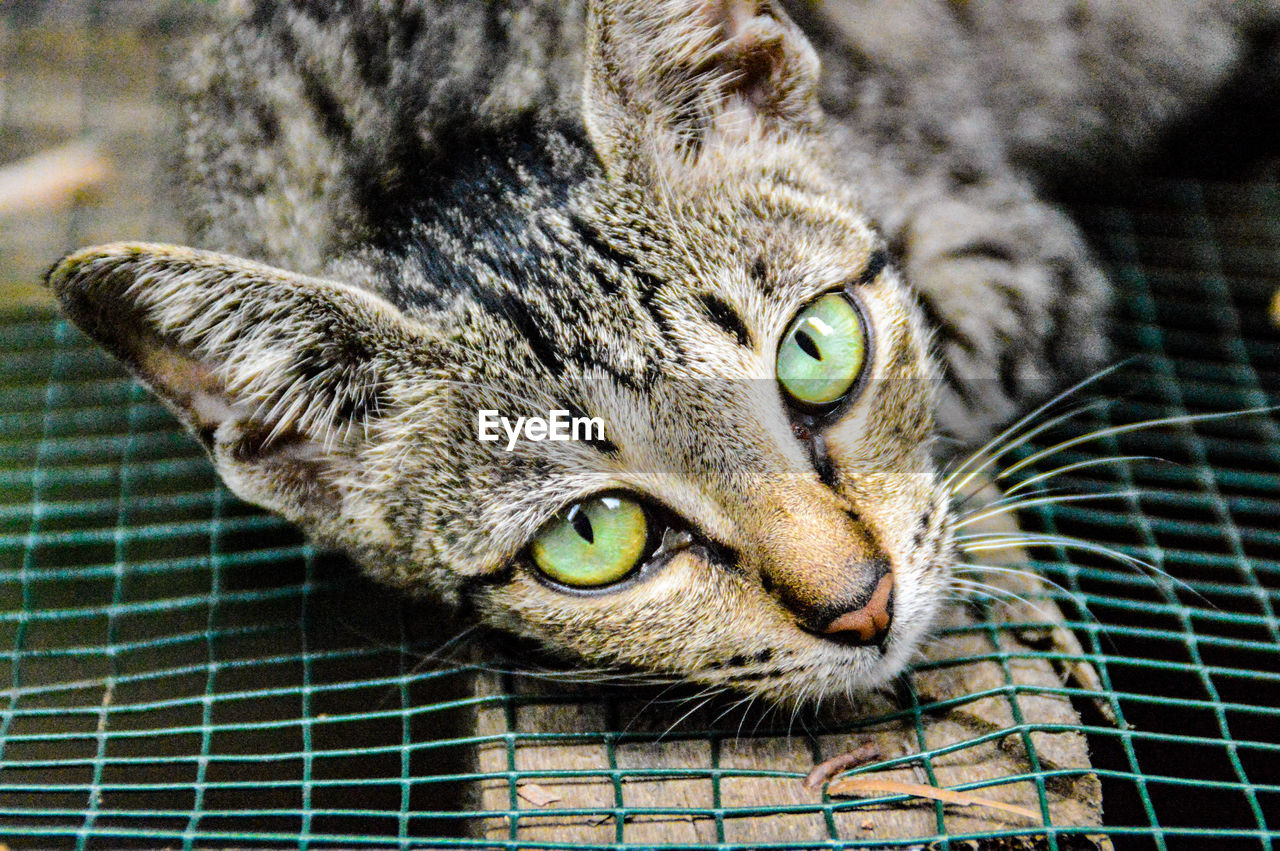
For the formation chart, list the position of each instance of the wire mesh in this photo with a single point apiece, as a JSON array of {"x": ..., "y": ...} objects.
[{"x": 179, "y": 668}]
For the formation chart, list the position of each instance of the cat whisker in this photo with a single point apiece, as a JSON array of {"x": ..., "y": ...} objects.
[
  {"x": 732, "y": 706},
  {"x": 1003, "y": 595},
  {"x": 1020, "y": 441},
  {"x": 1007, "y": 434},
  {"x": 1077, "y": 599},
  {"x": 1125, "y": 428},
  {"x": 604, "y": 675},
  {"x": 770, "y": 708},
  {"x": 699, "y": 705},
  {"x": 1008, "y": 498},
  {"x": 1080, "y": 465},
  {"x": 970, "y": 567},
  {"x": 820, "y": 688},
  {"x": 1058, "y": 499},
  {"x": 747, "y": 699},
  {"x": 614, "y": 677},
  {"x": 994, "y": 541},
  {"x": 746, "y": 712},
  {"x": 986, "y": 542},
  {"x": 438, "y": 655},
  {"x": 988, "y": 454},
  {"x": 658, "y": 699},
  {"x": 421, "y": 663},
  {"x": 808, "y": 686}
]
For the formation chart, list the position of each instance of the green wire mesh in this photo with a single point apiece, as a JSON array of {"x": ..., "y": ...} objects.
[
  {"x": 1193, "y": 654},
  {"x": 178, "y": 668}
]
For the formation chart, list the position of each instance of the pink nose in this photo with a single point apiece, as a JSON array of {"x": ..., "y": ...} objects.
[{"x": 869, "y": 624}]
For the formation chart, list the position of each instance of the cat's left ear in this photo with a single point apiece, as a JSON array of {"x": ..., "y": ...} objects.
[
  {"x": 671, "y": 78},
  {"x": 279, "y": 375}
]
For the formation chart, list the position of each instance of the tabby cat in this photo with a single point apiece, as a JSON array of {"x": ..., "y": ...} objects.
[{"x": 773, "y": 253}]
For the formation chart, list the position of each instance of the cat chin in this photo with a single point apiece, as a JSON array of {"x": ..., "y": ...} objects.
[
  {"x": 827, "y": 683},
  {"x": 835, "y": 675}
]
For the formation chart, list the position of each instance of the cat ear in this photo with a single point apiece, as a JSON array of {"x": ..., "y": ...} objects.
[
  {"x": 672, "y": 77},
  {"x": 277, "y": 374}
]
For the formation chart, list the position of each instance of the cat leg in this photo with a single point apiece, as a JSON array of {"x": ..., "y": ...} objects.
[{"x": 1008, "y": 284}]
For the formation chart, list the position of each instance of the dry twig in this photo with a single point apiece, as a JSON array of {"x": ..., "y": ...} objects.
[
  {"x": 825, "y": 770},
  {"x": 869, "y": 783}
]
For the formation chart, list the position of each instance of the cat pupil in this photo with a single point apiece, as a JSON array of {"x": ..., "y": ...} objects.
[
  {"x": 807, "y": 345},
  {"x": 582, "y": 525}
]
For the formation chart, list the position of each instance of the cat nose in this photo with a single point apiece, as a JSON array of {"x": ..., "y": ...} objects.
[
  {"x": 869, "y": 623},
  {"x": 856, "y": 612}
]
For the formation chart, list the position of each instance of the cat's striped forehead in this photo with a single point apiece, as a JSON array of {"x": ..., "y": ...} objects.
[{"x": 581, "y": 276}]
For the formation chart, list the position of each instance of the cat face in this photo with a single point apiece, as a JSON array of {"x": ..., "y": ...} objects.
[
  {"x": 765, "y": 519},
  {"x": 775, "y": 522},
  {"x": 734, "y": 525}
]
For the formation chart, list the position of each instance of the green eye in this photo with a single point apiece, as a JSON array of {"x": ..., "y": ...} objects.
[
  {"x": 823, "y": 351},
  {"x": 594, "y": 543}
]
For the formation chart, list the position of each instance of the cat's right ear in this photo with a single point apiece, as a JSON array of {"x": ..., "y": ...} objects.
[
  {"x": 667, "y": 79},
  {"x": 278, "y": 374}
]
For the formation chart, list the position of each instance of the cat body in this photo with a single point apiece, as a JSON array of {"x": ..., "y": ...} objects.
[{"x": 623, "y": 210}]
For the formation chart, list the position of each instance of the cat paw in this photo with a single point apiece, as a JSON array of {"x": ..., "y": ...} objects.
[{"x": 1015, "y": 299}]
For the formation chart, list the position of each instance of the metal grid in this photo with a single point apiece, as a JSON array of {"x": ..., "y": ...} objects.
[
  {"x": 1192, "y": 659},
  {"x": 178, "y": 668}
]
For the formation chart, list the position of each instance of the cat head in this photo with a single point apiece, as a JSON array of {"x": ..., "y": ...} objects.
[{"x": 757, "y": 506}]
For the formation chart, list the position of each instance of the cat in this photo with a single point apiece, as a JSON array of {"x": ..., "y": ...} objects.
[{"x": 775, "y": 253}]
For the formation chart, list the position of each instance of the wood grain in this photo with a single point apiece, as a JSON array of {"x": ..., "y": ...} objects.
[{"x": 989, "y": 746}]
